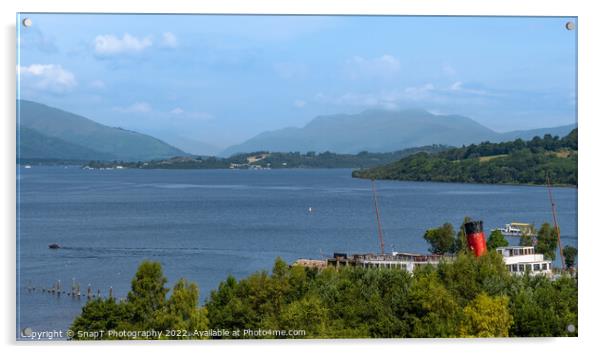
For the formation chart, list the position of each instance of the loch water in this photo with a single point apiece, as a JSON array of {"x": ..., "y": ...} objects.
[{"x": 204, "y": 225}]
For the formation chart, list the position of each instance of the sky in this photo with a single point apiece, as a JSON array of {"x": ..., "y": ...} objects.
[{"x": 205, "y": 82}]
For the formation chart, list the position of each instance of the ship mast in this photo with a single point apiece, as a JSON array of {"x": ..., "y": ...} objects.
[
  {"x": 379, "y": 228},
  {"x": 555, "y": 219}
]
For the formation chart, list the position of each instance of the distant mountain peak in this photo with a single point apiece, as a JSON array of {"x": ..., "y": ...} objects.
[{"x": 378, "y": 130}]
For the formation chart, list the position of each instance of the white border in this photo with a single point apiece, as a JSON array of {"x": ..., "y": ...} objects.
[{"x": 590, "y": 199}]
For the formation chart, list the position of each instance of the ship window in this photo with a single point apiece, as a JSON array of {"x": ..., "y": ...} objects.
[
  {"x": 528, "y": 267},
  {"x": 514, "y": 268},
  {"x": 536, "y": 266},
  {"x": 544, "y": 266},
  {"x": 521, "y": 267},
  {"x": 404, "y": 266}
]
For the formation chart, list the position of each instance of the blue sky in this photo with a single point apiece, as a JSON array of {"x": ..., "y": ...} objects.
[{"x": 219, "y": 80}]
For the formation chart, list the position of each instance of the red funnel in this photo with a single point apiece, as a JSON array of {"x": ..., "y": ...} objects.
[{"x": 475, "y": 237}]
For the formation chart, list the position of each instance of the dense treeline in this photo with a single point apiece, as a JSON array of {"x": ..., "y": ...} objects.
[
  {"x": 328, "y": 159},
  {"x": 469, "y": 297},
  {"x": 146, "y": 308},
  {"x": 274, "y": 160},
  {"x": 509, "y": 162}
]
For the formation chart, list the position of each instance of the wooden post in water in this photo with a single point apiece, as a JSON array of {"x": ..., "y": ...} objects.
[
  {"x": 58, "y": 287},
  {"x": 110, "y": 292},
  {"x": 89, "y": 291}
]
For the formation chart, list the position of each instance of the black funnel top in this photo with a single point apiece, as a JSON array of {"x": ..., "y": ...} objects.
[{"x": 473, "y": 227}]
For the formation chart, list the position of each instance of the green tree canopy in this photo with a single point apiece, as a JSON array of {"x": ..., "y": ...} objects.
[
  {"x": 496, "y": 239},
  {"x": 467, "y": 297},
  {"x": 525, "y": 240},
  {"x": 461, "y": 245},
  {"x": 146, "y": 307},
  {"x": 570, "y": 255},
  {"x": 547, "y": 241},
  {"x": 148, "y": 292},
  {"x": 441, "y": 239},
  {"x": 486, "y": 316}
]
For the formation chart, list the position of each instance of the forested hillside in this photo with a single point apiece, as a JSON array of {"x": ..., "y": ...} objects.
[{"x": 514, "y": 162}]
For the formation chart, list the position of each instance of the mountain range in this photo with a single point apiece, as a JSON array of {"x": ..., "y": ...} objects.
[
  {"x": 49, "y": 133},
  {"x": 382, "y": 131}
]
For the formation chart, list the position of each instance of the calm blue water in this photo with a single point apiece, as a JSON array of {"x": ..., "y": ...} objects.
[{"x": 206, "y": 224}]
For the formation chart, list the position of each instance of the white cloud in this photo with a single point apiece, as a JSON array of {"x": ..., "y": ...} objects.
[
  {"x": 459, "y": 87},
  {"x": 456, "y": 86},
  {"x": 169, "y": 40},
  {"x": 419, "y": 93},
  {"x": 382, "y": 67},
  {"x": 137, "y": 107},
  {"x": 177, "y": 111},
  {"x": 47, "y": 77},
  {"x": 412, "y": 96},
  {"x": 386, "y": 99},
  {"x": 110, "y": 45},
  {"x": 299, "y": 103}
]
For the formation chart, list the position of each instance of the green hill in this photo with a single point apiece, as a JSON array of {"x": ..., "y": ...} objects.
[
  {"x": 58, "y": 134},
  {"x": 510, "y": 162},
  {"x": 37, "y": 146}
]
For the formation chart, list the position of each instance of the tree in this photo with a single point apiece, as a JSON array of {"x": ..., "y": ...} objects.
[
  {"x": 441, "y": 239},
  {"x": 309, "y": 314},
  {"x": 461, "y": 244},
  {"x": 525, "y": 240},
  {"x": 181, "y": 310},
  {"x": 145, "y": 308},
  {"x": 496, "y": 239},
  {"x": 486, "y": 316},
  {"x": 99, "y": 315},
  {"x": 547, "y": 241},
  {"x": 147, "y": 294},
  {"x": 434, "y": 311},
  {"x": 542, "y": 307},
  {"x": 570, "y": 254}
]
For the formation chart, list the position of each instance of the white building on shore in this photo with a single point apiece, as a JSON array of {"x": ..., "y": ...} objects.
[{"x": 520, "y": 259}]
